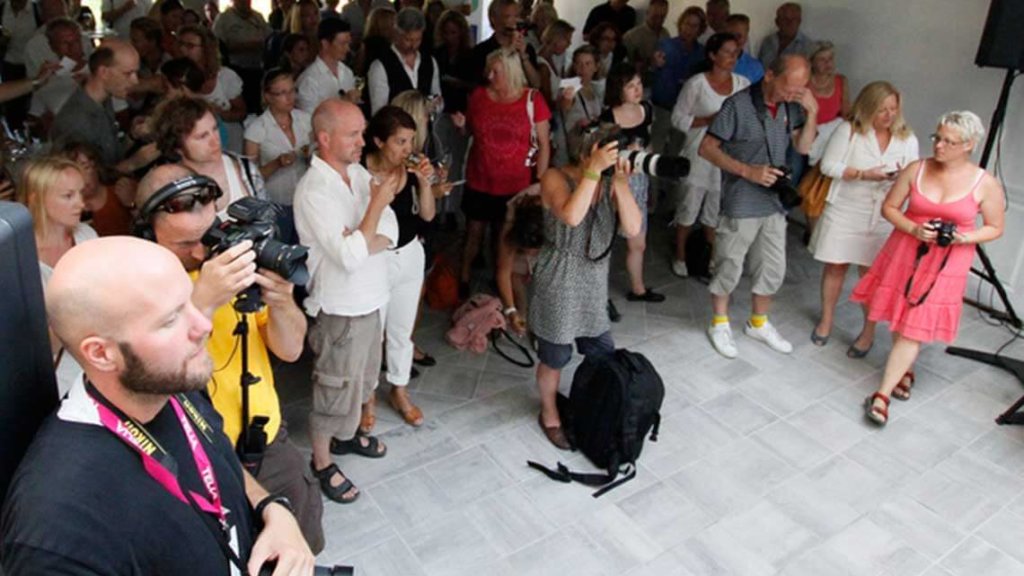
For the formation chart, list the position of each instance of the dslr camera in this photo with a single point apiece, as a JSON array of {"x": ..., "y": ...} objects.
[
  {"x": 648, "y": 163},
  {"x": 783, "y": 186},
  {"x": 946, "y": 231},
  {"x": 254, "y": 219}
]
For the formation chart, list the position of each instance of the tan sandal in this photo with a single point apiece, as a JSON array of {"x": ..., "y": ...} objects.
[
  {"x": 411, "y": 413},
  {"x": 368, "y": 419}
]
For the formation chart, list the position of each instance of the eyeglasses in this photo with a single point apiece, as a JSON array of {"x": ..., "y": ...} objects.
[
  {"x": 935, "y": 138},
  {"x": 186, "y": 201}
]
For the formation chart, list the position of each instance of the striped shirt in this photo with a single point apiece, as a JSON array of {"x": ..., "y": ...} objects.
[{"x": 752, "y": 135}]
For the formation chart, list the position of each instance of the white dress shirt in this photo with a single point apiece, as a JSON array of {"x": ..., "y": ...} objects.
[
  {"x": 377, "y": 79},
  {"x": 123, "y": 24},
  {"x": 21, "y": 26},
  {"x": 345, "y": 279},
  {"x": 317, "y": 83},
  {"x": 37, "y": 51}
]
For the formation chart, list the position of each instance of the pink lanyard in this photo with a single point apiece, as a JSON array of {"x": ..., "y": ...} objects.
[{"x": 135, "y": 436}]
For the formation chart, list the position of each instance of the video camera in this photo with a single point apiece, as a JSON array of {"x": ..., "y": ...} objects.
[
  {"x": 254, "y": 219},
  {"x": 644, "y": 162}
]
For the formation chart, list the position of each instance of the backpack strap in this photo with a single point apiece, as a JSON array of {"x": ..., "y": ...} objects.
[{"x": 605, "y": 482}]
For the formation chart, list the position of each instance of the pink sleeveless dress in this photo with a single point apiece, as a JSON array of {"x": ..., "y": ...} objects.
[{"x": 884, "y": 288}]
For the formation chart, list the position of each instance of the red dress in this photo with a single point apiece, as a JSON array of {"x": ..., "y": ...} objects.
[
  {"x": 829, "y": 107},
  {"x": 884, "y": 288},
  {"x": 501, "y": 139}
]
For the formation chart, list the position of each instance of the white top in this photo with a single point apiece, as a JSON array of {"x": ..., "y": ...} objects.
[
  {"x": 68, "y": 370},
  {"x": 20, "y": 26},
  {"x": 50, "y": 97},
  {"x": 345, "y": 279},
  {"x": 697, "y": 99},
  {"x": 37, "y": 51},
  {"x": 123, "y": 24},
  {"x": 377, "y": 80},
  {"x": 317, "y": 83},
  {"x": 238, "y": 184},
  {"x": 266, "y": 132},
  {"x": 231, "y": 27},
  {"x": 862, "y": 152},
  {"x": 227, "y": 88}
]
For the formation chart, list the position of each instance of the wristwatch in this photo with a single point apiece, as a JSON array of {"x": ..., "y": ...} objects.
[{"x": 267, "y": 501}]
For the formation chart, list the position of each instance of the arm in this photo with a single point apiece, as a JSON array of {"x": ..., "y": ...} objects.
[
  {"x": 804, "y": 137},
  {"x": 423, "y": 173},
  {"x": 223, "y": 276},
  {"x": 280, "y": 540},
  {"x": 892, "y": 208},
  {"x": 844, "y": 107},
  {"x": 571, "y": 206},
  {"x": 236, "y": 110},
  {"x": 113, "y": 14},
  {"x": 682, "y": 113},
  {"x": 285, "y": 330},
  {"x": 544, "y": 146},
  {"x": 377, "y": 81},
  {"x": 993, "y": 214},
  {"x": 630, "y": 217},
  {"x": 503, "y": 271}
]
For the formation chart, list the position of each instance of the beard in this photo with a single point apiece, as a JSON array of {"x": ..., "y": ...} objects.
[{"x": 139, "y": 378}]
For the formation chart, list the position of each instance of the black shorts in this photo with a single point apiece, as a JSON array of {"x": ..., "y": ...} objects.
[{"x": 483, "y": 207}]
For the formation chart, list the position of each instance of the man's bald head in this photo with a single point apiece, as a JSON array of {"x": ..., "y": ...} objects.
[
  {"x": 338, "y": 126},
  {"x": 98, "y": 285},
  {"x": 115, "y": 66}
]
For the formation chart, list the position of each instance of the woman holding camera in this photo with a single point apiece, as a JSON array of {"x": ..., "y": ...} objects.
[
  {"x": 862, "y": 157},
  {"x": 570, "y": 278},
  {"x": 392, "y": 135},
  {"x": 626, "y": 108},
  {"x": 917, "y": 281}
]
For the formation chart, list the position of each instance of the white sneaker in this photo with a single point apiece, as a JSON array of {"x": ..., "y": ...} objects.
[
  {"x": 770, "y": 336},
  {"x": 679, "y": 268},
  {"x": 721, "y": 339}
]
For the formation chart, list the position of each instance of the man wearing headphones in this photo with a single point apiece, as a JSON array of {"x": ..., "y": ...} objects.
[{"x": 176, "y": 208}]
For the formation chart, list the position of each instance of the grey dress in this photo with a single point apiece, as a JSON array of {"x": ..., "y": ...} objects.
[{"x": 569, "y": 289}]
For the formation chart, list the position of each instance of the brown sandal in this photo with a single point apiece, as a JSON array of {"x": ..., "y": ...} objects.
[
  {"x": 877, "y": 415},
  {"x": 369, "y": 416},
  {"x": 903, "y": 388},
  {"x": 411, "y": 413}
]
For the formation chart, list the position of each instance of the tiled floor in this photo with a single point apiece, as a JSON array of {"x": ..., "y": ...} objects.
[{"x": 764, "y": 465}]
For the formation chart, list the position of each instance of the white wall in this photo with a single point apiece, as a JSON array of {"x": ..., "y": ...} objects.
[{"x": 926, "y": 48}]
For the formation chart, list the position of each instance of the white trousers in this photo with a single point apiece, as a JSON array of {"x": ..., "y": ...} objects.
[{"x": 405, "y": 280}]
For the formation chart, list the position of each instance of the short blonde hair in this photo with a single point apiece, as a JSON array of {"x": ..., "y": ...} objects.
[
  {"x": 869, "y": 101},
  {"x": 820, "y": 48},
  {"x": 415, "y": 104},
  {"x": 39, "y": 179},
  {"x": 513, "y": 67},
  {"x": 967, "y": 123}
]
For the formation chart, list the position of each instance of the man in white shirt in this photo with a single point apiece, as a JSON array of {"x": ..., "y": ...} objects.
[
  {"x": 403, "y": 67},
  {"x": 118, "y": 14},
  {"x": 345, "y": 219},
  {"x": 244, "y": 32},
  {"x": 328, "y": 76},
  {"x": 19, "y": 19},
  {"x": 63, "y": 36},
  {"x": 37, "y": 50}
]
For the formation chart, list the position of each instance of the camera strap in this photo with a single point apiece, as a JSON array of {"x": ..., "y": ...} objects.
[
  {"x": 922, "y": 249},
  {"x": 163, "y": 467},
  {"x": 757, "y": 97}
]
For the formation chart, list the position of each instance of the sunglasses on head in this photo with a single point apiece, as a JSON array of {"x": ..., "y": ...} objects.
[{"x": 187, "y": 200}]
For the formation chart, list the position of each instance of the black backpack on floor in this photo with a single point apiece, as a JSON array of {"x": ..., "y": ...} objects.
[{"x": 612, "y": 406}]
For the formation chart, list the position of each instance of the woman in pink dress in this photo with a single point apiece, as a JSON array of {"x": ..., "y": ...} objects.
[{"x": 917, "y": 281}]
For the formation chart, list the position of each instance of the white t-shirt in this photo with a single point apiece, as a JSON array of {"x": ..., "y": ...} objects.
[
  {"x": 20, "y": 26},
  {"x": 123, "y": 24},
  {"x": 266, "y": 132}
]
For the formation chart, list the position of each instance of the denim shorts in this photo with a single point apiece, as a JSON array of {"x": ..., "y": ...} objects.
[{"x": 558, "y": 355}]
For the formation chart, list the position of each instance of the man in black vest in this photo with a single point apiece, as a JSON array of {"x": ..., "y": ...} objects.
[{"x": 403, "y": 67}]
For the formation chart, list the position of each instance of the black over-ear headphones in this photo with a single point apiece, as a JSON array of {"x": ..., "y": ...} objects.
[{"x": 191, "y": 184}]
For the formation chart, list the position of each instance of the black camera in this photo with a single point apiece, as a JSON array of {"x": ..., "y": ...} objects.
[
  {"x": 783, "y": 186},
  {"x": 946, "y": 231},
  {"x": 254, "y": 219},
  {"x": 644, "y": 162},
  {"x": 268, "y": 568}
]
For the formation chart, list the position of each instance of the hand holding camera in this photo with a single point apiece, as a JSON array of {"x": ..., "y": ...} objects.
[
  {"x": 763, "y": 175},
  {"x": 603, "y": 157},
  {"x": 225, "y": 275}
]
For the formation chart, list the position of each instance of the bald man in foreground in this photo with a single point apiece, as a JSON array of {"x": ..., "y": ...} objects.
[
  {"x": 132, "y": 475},
  {"x": 345, "y": 219}
]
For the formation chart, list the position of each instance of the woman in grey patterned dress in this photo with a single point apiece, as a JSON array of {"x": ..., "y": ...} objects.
[{"x": 570, "y": 280}]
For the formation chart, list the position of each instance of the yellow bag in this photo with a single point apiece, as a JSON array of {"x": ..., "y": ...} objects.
[{"x": 814, "y": 189}]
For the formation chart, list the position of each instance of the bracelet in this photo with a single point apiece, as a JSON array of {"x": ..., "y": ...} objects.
[
  {"x": 509, "y": 311},
  {"x": 257, "y": 511},
  {"x": 591, "y": 175}
]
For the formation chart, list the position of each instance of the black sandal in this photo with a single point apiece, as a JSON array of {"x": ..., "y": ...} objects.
[
  {"x": 427, "y": 360},
  {"x": 354, "y": 446},
  {"x": 335, "y": 493}
]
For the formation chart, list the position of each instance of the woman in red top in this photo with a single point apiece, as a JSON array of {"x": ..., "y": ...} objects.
[
  {"x": 506, "y": 155},
  {"x": 829, "y": 89}
]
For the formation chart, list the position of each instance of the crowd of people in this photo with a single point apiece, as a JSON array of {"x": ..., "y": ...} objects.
[{"x": 355, "y": 131}]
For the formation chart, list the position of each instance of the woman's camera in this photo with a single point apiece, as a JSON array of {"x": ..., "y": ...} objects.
[{"x": 946, "y": 231}]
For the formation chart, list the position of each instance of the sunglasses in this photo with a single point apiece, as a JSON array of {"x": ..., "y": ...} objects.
[{"x": 186, "y": 201}]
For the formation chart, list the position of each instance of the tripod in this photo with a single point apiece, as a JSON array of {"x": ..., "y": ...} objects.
[
  {"x": 988, "y": 274},
  {"x": 253, "y": 441}
]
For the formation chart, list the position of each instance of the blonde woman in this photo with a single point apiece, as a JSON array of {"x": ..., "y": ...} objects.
[
  {"x": 863, "y": 157},
  {"x": 52, "y": 187},
  {"x": 380, "y": 31}
]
